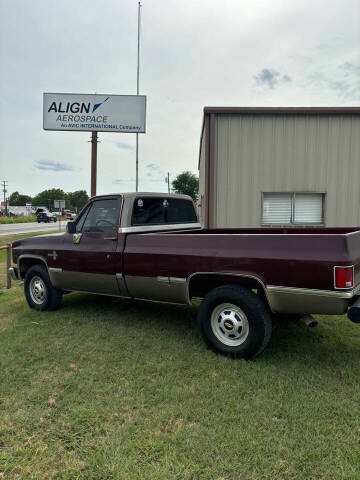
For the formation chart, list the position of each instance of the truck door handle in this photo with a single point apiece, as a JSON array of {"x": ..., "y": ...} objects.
[{"x": 110, "y": 238}]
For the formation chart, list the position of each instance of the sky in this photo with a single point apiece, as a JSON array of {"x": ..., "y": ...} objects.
[{"x": 193, "y": 53}]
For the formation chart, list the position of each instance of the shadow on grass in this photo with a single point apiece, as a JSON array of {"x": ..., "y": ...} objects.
[
  {"x": 290, "y": 342},
  {"x": 179, "y": 319}
]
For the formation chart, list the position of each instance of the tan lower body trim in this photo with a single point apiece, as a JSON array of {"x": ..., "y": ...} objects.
[
  {"x": 296, "y": 300},
  {"x": 157, "y": 289},
  {"x": 85, "y": 282}
]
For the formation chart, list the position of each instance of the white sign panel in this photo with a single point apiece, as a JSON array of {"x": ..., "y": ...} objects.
[
  {"x": 59, "y": 204},
  {"x": 87, "y": 113}
]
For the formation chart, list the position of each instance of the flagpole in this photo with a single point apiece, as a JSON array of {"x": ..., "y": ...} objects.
[{"x": 137, "y": 93}]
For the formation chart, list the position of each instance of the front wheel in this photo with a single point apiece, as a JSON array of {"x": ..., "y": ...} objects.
[
  {"x": 234, "y": 321},
  {"x": 39, "y": 292}
]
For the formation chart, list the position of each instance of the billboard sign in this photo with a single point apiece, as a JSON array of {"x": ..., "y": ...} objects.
[
  {"x": 28, "y": 208},
  {"x": 99, "y": 113},
  {"x": 60, "y": 204}
]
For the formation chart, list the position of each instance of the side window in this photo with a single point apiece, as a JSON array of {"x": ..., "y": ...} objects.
[
  {"x": 102, "y": 216},
  {"x": 158, "y": 211},
  {"x": 80, "y": 222}
]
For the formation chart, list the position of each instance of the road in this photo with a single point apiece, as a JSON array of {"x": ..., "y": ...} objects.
[{"x": 32, "y": 227}]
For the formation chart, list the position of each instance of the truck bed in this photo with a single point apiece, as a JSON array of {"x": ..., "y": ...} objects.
[{"x": 291, "y": 257}]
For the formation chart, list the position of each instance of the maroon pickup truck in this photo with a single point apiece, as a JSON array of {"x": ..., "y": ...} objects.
[{"x": 150, "y": 246}]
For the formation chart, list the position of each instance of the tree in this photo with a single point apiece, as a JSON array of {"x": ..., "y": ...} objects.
[
  {"x": 76, "y": 200},
  {"x": 46, "y": 197},
  {"x": 16, "y": 199},
  {"x": 186, "y": 183}
]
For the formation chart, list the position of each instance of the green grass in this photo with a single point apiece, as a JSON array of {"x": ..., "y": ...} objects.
[
  {"x": 5, "y": 220},
  {"x": 113, "y": 389}
]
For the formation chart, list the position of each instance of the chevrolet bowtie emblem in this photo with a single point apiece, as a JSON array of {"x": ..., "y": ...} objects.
[{"x": 53, "y": 255}]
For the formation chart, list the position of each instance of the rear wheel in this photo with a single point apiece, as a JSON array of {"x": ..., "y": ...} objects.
[
  {"x": 234, "y": 321},
  {"x": 39, "y": 292}
]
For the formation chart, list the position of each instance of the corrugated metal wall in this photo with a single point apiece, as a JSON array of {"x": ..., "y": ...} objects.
[{"x": 285, "y": 153}]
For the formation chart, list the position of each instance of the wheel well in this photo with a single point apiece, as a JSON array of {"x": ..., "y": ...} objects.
[
  {"x": 27, "y": 262},
  {"x": 200, "y": 285}
]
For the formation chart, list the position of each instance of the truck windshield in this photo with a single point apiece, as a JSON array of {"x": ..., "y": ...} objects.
[{"x": 158, "y": 211}]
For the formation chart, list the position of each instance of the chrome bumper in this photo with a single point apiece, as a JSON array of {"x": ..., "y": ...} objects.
[{"x": 14, "y": 273}]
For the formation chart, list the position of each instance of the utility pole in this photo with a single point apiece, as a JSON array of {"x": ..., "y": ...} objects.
[
  {"x": 137, "y": 93},
  {"x": 94, "y": 142},
  {"x": 167, "y": 180},
  {"x": 4, "y": 189}
]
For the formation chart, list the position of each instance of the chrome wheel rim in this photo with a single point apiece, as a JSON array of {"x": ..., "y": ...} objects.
[
  {"x": 229, "y": 324},
  {"x": 38, "y": 291}
]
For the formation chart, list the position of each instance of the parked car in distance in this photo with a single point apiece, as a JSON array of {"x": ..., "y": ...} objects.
[
  {"x": 69, "y": 214},
  {"x": 150, "y": 246},
  {"x": 44, "y": 215}
]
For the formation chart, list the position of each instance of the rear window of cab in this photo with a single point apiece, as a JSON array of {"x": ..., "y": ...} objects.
[{"x": 162, "y": 210}]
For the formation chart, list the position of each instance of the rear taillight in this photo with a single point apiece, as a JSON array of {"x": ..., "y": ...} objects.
[{"x": 344, "y": 277}]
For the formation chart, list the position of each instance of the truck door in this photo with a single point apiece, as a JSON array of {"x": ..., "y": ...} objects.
[
  {"x": 91, "y": 258},
  {"x": 152, "y": 264}
]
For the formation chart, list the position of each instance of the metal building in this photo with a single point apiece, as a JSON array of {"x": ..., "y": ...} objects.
[{"x": 280, "y": 166}]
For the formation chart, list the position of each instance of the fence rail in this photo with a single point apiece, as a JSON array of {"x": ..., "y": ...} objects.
[{"x": 7, "y": 247}]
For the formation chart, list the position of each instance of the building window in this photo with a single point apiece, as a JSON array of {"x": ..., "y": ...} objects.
[{"x": 292, "y": 208}]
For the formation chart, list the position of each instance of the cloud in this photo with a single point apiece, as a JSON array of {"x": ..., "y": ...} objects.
[
  {"x": 350, "y": 69},
  {"x": 345, "y": 89},
  {"x": 270, "y": 78},
  {"x": 122, "y": 181},
  {"x": 154, "y": 170},
  {"x": 153, "y": 166},
  {"x": 124, "y": 146},
  {"x": 344, "y": 81},
  {"x": 52, "y": 166}
]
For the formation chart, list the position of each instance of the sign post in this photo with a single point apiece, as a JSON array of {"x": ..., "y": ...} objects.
[
  {"x": 94, "y": 142},
  {"x": 60, "y": 204}
]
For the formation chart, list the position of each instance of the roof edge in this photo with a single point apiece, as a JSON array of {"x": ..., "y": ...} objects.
[{"x": 284, "y": 110}]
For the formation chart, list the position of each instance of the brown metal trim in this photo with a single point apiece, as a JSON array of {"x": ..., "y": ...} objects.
[
  {"x": 284, "y": 110},
  {"x": 211, "y": 169},
  {"x": 209, "y": 131},
  {"x": 201, "y": 138},
  {"x": 206, "y": 193}
]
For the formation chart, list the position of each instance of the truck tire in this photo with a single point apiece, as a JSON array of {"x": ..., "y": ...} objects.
[
  {"x": 235, "y": 322},
  {"x": 39, "y": 292}
]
